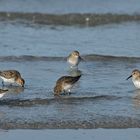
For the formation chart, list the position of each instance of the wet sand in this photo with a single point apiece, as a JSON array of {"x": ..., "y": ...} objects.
[{"x": 69, "y": 134}]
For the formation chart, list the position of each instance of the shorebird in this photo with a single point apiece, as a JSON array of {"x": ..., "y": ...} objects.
[
  {"x": 74, "y": 58},
  {"x": 12, "y": 76},
  {"x": 135, "y": 78},
  {"x": 64, "y": 84}
]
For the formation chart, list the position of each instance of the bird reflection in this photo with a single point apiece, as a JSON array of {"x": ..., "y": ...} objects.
[
  {"x": 136, "y": 98},
  {"x": 3, "y": 92},
  {"x": 75, "y": 72},
  {"x": 14, "y": 89}
]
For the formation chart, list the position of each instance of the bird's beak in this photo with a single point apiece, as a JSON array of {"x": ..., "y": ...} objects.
[
  {"x": 81, "y": 58},
  {"x": 129, "y": 77}
]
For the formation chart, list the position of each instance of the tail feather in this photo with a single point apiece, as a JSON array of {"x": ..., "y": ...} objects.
[{"x": 75, "y": 79}]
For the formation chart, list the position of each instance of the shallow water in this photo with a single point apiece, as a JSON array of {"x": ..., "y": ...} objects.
[
  {"x": 101, "y": 99},
  {"x": 113, "y": 39}
]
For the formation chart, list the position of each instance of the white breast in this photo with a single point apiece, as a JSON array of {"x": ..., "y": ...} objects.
[
  {"x": 12, "y": 80},
  {"x": 67, "y": 87},
  {"x": 73, "y": 61},
  {"x": 136, "y": 83}
]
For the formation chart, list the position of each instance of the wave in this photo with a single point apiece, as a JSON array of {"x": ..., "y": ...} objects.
[
  {"x": 91, "y": 57},
  {"x": 95, "y": 120},
  {"x": 68, "y": 19},
  {"x": 39, "y": 101}
]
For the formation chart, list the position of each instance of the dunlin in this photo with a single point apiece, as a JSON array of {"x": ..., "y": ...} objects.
[
  {"x": 135, "y": 78},
  {"x": 12, "y": 76},
  {"x": 74, "y": 58},
  {"x": 64, "y": 84}
]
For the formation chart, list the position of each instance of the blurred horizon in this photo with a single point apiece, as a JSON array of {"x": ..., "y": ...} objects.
[{"x": 71, "y": 6}]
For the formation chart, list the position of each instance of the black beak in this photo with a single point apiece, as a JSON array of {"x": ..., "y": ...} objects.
[
  {"x": 129, "y": 77},
  {"x": 81, "y": 58}
]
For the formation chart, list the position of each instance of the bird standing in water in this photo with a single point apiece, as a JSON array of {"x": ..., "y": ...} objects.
[
  {"x": 64, "y": 84},
  {"x": 12, "y": 76},
  {"x": 135, "y": 78},
  {"x": 74, "y": 59}
]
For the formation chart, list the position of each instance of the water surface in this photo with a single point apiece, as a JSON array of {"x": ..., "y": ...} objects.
[
  {"x": 113, "y": 39},
  {"x": 72, "y": 6},
  {"x": 102, "y": 98}
]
